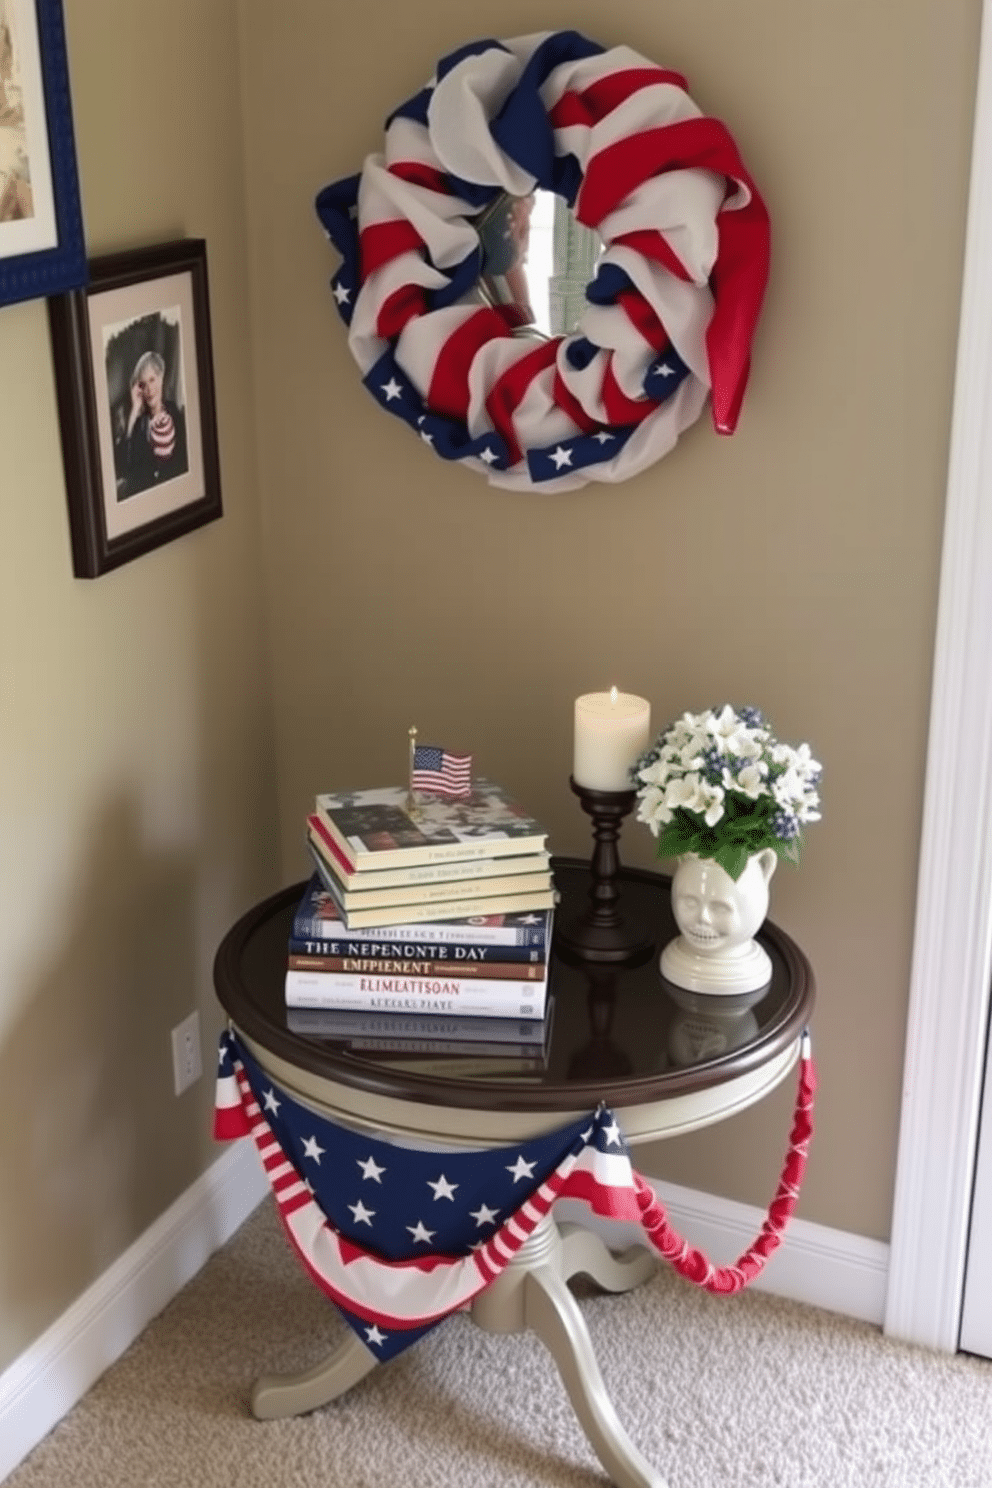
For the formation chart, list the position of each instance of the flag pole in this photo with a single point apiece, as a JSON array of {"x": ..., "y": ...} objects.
[{"x": 410, "y": 800}]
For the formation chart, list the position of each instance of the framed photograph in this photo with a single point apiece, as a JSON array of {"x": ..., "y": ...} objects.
[
  {"x": 134, "y": 378},
  {"x": 42, "y": 250}
]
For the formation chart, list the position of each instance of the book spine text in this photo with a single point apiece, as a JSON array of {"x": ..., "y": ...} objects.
[
  {"x": 507, "y": 999},
  {"x": 505, "y": 971}
]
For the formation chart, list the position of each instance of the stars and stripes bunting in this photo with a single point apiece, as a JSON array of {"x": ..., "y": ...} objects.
[
  {"x": 398, "y": 1237},
  {"x": 673, "y": 307}
]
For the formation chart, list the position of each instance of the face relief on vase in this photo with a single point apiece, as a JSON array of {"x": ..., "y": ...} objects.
[{"x": 611, "y": 732}]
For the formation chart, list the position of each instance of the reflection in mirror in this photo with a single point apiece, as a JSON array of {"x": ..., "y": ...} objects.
[{"x": 538, "y": 259}]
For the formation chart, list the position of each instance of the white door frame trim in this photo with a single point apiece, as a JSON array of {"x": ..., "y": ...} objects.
[{"x": 949, "y": 990}]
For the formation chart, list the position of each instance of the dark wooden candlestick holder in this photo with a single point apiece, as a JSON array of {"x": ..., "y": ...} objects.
[{"x": 604, "y": 932}]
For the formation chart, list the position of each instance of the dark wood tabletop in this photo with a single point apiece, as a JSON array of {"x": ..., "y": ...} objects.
[{"x": 619, "y": 1034}]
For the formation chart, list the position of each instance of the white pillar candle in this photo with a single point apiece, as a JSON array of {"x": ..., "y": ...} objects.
[{"x": 611, "y": 731}]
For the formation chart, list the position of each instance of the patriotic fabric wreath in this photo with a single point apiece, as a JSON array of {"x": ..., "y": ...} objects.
[
  {"x": 398, "y": 1237},
  {"x": 677, "y": 291}
]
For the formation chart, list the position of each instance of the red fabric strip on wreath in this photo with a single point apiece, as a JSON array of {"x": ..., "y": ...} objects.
[{"x": 602, "y": 97}]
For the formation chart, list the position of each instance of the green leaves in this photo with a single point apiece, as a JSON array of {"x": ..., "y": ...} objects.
[
  {"x": 732, "y": 858},
  {"x": 744, "y": 829}
]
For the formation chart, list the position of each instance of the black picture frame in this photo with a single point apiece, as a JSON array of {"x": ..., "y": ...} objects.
[
  {"x": 42, "y": 246},
  {"x": 130, "y": 486}
]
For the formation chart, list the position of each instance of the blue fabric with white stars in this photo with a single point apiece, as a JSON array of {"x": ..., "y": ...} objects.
[{"x": 399, "y": 1202}]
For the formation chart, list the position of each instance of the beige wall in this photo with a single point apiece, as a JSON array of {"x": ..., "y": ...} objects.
[
  {"x": 136, "y": 760},
  {"x": 793, "y": 566}
]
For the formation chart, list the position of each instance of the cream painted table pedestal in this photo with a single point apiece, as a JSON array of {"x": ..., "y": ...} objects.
[{"x": 665, "y": 1061}]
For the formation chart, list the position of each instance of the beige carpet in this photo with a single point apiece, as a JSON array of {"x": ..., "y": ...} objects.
[{"x": 718, "y": 1393}]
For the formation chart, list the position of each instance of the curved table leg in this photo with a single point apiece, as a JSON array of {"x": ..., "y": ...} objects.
[
  {"x": 278, "y": 1395},
  {"x": 585, "y": 1253},
  {"x": 532, "y": 1292},
  {"x": 553, "y": 1313}
]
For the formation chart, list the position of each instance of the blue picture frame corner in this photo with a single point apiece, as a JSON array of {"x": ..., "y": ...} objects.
[{"x": 52, "y": 271}]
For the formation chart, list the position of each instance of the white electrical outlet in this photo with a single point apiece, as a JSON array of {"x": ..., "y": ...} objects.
[{"x": 187, "y": 1063}]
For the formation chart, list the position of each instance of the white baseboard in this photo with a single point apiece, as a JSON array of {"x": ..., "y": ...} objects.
[
  {"x": 816, "y": 1265},
  {"x": 46, "y": 1381}
]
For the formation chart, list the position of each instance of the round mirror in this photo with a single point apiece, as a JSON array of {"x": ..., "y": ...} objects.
[
  {"x": 537, "y": 259},
  {"x": 553, "y": 264}
]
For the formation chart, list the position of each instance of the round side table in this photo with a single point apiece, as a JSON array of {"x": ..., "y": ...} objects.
[{"x": 665, "y": 1060}]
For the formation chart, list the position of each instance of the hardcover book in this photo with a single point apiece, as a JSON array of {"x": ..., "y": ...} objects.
[
  {"x": 470, "y": 904},
  {"x": 449, "y": 954},
  {"x": 493, "y": 997},
  {"x": 422, "y": 873},
  {"x": 373, "y": 966},
  {"x": 470, "y": 886},
  {"x": 318, "y": 918},
  {"x": 379, "y": 828}
]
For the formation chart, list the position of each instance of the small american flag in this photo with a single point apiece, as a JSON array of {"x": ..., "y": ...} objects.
[{"x": 441, "y": 773}]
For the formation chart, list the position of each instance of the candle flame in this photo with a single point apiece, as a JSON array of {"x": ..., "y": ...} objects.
[{"x": 613, "y": 697}]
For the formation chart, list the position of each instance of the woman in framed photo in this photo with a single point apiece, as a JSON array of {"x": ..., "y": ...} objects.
[
  {"x": 153, "y": 447},
  {"x": 134, "y": 376}
]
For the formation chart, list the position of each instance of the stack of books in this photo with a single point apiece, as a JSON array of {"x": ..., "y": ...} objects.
[{"x": 442, "y": 906}]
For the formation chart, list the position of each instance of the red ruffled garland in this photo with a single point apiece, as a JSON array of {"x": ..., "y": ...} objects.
[{"x": 692, "y": 1263}]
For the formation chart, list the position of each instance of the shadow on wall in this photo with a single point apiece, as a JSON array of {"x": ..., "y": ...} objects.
[{"x": 93, "y": 1133}]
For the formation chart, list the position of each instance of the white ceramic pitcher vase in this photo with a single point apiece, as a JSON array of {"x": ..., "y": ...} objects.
[{"x": 717, "y": 917}]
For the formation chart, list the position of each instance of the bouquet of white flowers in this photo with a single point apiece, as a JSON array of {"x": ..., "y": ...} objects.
[{"x": 719, "y": 784}]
